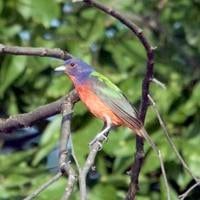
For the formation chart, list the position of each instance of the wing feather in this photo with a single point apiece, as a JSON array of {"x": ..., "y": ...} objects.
[{"x": 112, "y": 96}]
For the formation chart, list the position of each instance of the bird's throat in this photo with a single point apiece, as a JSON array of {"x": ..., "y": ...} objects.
[{"x": 80, "y": 78}]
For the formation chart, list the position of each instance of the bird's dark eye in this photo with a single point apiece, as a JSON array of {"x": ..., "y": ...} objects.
[{"x": 72, "y": 64}]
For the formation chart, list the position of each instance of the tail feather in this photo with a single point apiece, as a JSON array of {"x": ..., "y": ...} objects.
[{"x": 143, "y": 133}]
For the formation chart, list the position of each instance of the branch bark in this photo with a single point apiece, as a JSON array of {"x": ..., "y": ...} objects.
[
  {"x": 31, "y": 51},
  {"x": 42, "y": 112},
  {"x": 64, "y": 162},
  {"x": 97, "y": 146}
]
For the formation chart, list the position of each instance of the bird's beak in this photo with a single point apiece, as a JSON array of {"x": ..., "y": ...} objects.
[{"x": 60, "y": 68}]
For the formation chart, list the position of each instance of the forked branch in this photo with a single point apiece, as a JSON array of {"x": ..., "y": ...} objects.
[
  {"x": 42, "y": 112},
  {"x": 64, "y": 161},
  {"x": 64, "y": 164}
]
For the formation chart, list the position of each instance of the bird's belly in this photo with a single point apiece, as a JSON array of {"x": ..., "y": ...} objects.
[{"x": 96, "y": 106}]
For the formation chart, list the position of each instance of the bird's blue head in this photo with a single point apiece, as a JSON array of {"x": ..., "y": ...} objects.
[{"x": 76, "y": 69}]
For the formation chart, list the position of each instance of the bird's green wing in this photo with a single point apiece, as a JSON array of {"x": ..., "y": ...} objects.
[{"x": 113, "y": 97}]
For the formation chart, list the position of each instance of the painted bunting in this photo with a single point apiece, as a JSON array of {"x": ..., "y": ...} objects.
[
  {"x": 102, "y": 97},
  {"x": 106, "y": 101}
]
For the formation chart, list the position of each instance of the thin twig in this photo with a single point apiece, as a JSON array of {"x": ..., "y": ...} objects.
[
  {"x": 169, "y": 139},
  {"x": 97, "y": 146},
  {"x": 156, "y": 81},
  {"x": 159, "y": 155},
  {"x": 33, "y": 51},
  {"x": 75, "y": 159},
  {"x": 139, "y": 157},
  {"x": 42, "y": 112},
  {"x": 164, "y": 174},
  {"x": 64, "y": 164},
  {"x": 185, "y": 194},
  {"x": 44, "y": 186}
]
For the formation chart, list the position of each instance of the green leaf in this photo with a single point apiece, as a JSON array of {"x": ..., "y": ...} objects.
[
  {"x": 11, "y": 69},
  {"x": 59, "y": 87},
  {"x": 56, "y": 190},
  {"x": 10, "y": 161},
  {"x": 80, "y": 109},
  {"x": 183, "y": 112},
  {"x": 15, "y": 180},
  {"x": 12, "y": 104},
  {"x": 82, "y": 138},
  {"x": 52, "y": 131},
  {"x": 1, "y": 5},
  {"x": 118, "y": 139},
  {"x": 163, "y": 192},
  {"x": 103, "y": 191},
  {"x": 44, "y": 11},
  {"x": 10, "y": 32},
  {"x": 191, "y": 152},
  {"x": 196, "y": 94},
  {"x": 48, "y": 140},
  {"x": 42, "y": 153},
  {"x": 152, "y": 162},
  {"x": 170, "y": 94},
  {"x": 24, "y": 8}
]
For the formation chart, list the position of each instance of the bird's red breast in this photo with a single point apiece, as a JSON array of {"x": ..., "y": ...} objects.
[{"x": 95, "y": 105}]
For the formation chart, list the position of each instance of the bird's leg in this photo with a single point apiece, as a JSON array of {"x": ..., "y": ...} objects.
[{"x": 102, "y": 136}]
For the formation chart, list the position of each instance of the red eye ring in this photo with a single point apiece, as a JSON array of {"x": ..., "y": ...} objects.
[{"x": 72, "y": 64}]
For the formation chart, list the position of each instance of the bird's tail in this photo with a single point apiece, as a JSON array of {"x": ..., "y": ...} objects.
[{"x": 143, "y": 133}]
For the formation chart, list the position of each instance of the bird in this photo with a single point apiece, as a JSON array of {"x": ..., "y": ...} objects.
[
  {"x": 106, "y": 101},
  {"x": 102, "y": 98}
]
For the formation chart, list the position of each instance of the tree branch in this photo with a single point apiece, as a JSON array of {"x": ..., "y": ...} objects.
[
  {"x": 65, "y": 106},
  {"x": 42, "y": 112},
  {"x": 64, "y": 162},
  {"x": 31, "y": 51},
  {"x": 136, "y": 167},
  {"x": 97, "y": 146}
]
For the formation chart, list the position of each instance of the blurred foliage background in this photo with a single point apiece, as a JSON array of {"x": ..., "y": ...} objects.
[{"x": 29, "y": 156}]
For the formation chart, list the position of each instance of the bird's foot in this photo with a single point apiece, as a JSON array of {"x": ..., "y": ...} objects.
[
  {"x": 102, "y": 136},
  {"x": 98, "y": 139}
]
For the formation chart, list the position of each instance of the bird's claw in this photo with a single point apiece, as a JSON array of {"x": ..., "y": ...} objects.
[
  {"x": 98, "y": 139},
  {"x": 100, "y": 146}
]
